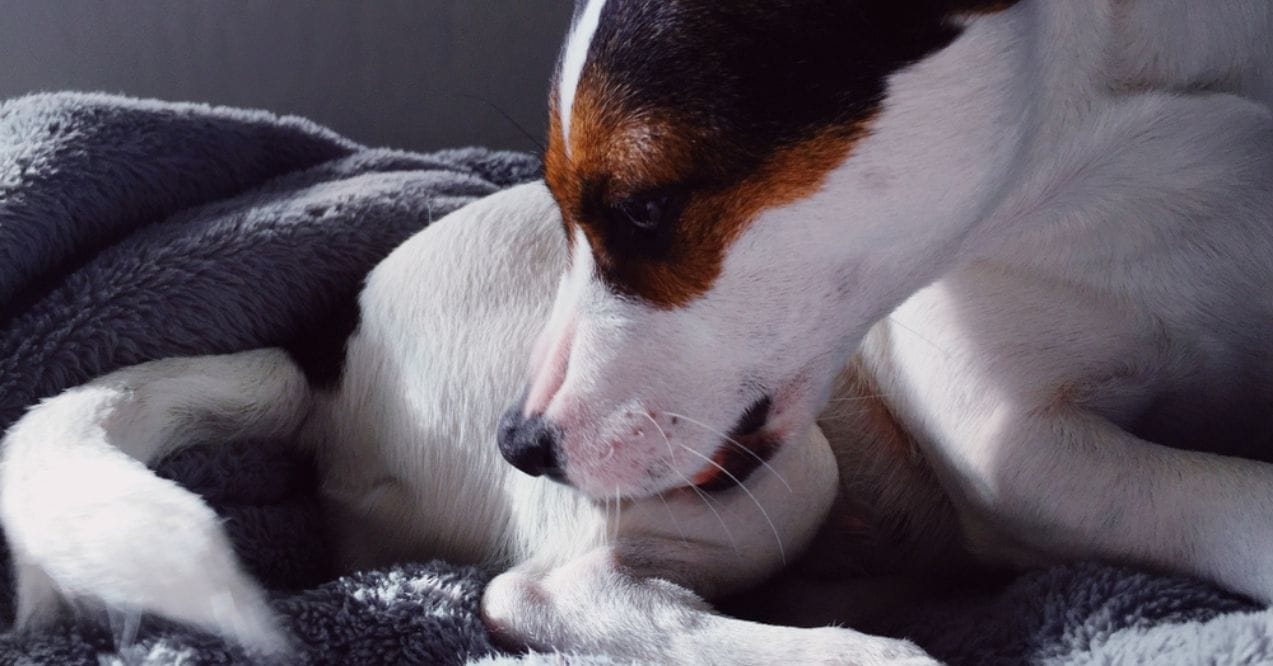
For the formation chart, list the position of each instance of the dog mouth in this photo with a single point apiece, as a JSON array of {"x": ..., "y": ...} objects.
[{"x": 745, "y": 449}]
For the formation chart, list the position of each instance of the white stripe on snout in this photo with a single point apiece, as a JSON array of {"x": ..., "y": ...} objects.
[
  {"x": 556, "y": 343},
  {"x": 572, "y": 64}
]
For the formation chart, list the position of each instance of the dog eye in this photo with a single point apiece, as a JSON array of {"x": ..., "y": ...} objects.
[{"x": 649, "y": 212}]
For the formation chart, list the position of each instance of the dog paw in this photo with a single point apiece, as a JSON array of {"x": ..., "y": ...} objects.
[
  {"x": 586, "y": 604},
  {"x": 513, "y": 606}
]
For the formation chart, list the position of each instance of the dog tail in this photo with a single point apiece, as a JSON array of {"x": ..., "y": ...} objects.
[{"x": 86, "y": 519}]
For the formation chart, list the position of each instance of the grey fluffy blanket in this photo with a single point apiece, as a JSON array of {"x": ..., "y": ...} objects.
[{"x": 134, "y": 230}]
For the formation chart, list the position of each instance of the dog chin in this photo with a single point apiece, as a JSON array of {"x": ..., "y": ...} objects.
[
  {"x": 748, "y": 445},
  {"x": 731, "y": 464}
]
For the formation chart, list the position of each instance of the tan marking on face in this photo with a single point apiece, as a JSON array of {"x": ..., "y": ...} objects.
[
  {"x": 633, "y": 152},
  {"x": 558, "y": 175}
]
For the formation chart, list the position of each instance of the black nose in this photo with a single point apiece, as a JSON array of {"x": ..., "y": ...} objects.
[{"x": 530, "y": 444}]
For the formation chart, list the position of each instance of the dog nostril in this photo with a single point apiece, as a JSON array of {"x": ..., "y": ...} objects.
[{"x": 529, "y": 444}]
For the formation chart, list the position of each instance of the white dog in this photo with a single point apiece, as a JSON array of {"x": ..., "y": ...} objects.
[
  {"x": 406, "y": 446},
  {"x": 1066, "y": 206}
]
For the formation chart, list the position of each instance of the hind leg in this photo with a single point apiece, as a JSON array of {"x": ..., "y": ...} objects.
[
  {"x": 37, "y": 598},
  {"x": 606, "y": 602},
  {"x": 1064, "y": 483}
]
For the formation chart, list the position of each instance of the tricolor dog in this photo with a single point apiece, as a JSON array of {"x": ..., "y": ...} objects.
[{"x": 1031, "y": 240}]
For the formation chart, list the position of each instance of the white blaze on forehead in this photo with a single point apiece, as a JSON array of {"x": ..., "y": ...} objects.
[{"x": 573, "y": 62}]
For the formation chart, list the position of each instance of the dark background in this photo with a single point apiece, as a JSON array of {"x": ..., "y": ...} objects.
[{"x": 399, "y": 73}]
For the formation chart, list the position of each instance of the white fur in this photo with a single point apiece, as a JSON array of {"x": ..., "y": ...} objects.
[
  {"x": 1073, "y": 244},
  {"x": 86, "y": 520},
  {"x": 1069, "y": 214},
  {"x": 410, "y": 470},
  {"x": 573, "y": 61}
]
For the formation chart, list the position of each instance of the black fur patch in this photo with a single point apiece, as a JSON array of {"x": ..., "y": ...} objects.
[{"x": 757, "y": 76}]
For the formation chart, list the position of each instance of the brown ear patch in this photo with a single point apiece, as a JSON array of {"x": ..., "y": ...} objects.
[{"x": 625, "y": 152}]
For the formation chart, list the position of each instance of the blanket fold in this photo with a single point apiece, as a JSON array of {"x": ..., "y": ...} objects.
[{"x": 134, "y": 230}]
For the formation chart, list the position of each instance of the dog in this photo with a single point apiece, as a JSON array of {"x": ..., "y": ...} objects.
[
  {"x": 406, "y": 448},
  {"x": 1043, "y": 228},
  {"x": 1046, "y": 228}
]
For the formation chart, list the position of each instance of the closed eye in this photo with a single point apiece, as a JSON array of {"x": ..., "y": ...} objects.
[
  {"x": 648, "y": 214},
  {"x": 630, "y": 228}
]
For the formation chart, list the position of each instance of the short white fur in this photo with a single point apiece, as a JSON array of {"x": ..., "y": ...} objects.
[
  {"x": 573, "y": 62},
  {"x": 1031, "y": 261},
  {"x": 1055, "y": 234},
  {"x": 410, "y": 470}
]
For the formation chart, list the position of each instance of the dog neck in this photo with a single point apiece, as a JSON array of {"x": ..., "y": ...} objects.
[
  {"x": 1122, "y": 138},
  {"x": 938, "y": 158},
  {"x": 1077, "y": 119}
]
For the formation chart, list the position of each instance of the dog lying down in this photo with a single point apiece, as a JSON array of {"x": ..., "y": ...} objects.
[
  {"x": 1042, "y": 226},
  {"x": 406, "y": 446}
]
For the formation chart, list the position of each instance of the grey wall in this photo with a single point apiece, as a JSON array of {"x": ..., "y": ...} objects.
[{"x": 397, "y": 73}]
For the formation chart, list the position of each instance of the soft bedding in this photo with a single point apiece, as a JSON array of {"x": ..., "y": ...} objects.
[{"x": 133, "y": 230}]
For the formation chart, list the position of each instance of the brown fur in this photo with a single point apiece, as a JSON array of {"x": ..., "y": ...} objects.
[
  {"x": 891, "y": 537},
  {"x": 635, "y": 151},
  {"x": 891, "y": 515}
]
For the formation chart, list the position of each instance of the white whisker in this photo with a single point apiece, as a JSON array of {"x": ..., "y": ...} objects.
[
  {"x": 733, "y": 543},
  {"x": 671, "y": 459},
  {"x": 605, "y": 505},
  {"x": 618, "y": 513},
  {"x": 782, "y": 551},
  {"x": 735, "y": 442},
  {"x": 676, "y": 523},
  {"x": 915, "y": 333}
]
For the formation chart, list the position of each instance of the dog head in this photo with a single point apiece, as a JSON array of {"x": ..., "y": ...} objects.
[{"x": 744, "y": 192}]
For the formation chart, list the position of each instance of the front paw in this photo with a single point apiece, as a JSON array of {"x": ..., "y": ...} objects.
[
  {"x": 559, "y": 610},
  {"x": 587, "y": 604},
  {"x": 513, "y": 609}
]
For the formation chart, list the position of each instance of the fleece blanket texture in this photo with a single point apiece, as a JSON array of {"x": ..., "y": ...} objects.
[{"x": 135, "y": 230}]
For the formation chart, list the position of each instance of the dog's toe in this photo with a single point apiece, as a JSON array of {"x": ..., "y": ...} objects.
[{"x": 510, "y": 606}]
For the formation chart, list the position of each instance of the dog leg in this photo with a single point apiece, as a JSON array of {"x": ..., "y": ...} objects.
[
  {"x": 37, "y": 597},
  {"x": 86, "y": 518},
  {"x": 607, "y": 602},
  {"x": 1074, "y": 485},
  {"x": 638, "y": 598}
]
